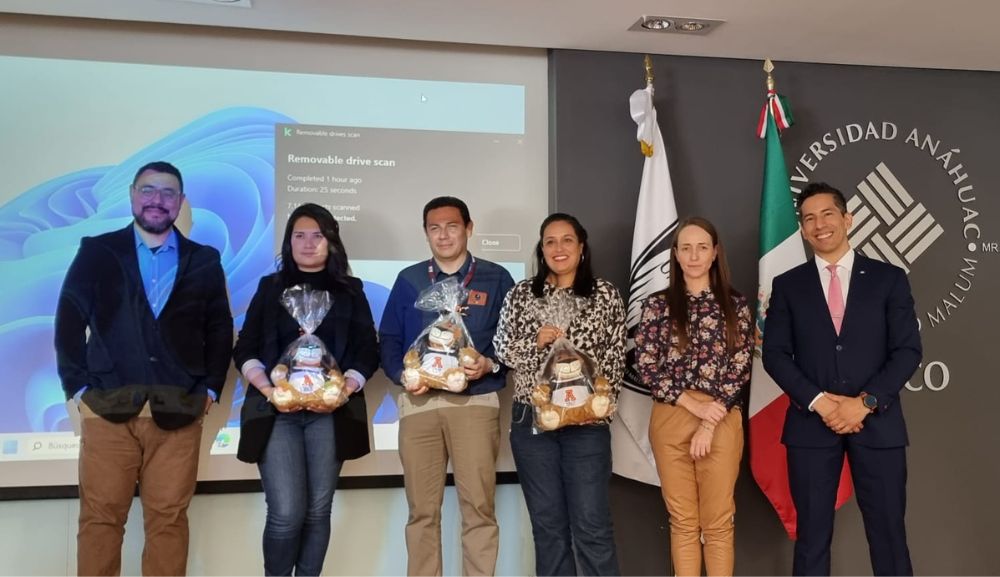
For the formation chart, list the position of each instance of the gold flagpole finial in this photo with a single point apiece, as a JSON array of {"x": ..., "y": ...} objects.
[
  {"x": 648, "y": 62},
  {"x": 769, "y": 68}
]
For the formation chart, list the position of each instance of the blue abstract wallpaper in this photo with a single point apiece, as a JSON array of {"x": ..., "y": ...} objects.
[{"x": 228, "y": 166}]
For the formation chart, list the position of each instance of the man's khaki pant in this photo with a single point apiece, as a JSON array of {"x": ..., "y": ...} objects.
[
  {"x": 698, "y": 494},
  {"x": 469, "y": 435},
  {"x": 113, "y": 458}
]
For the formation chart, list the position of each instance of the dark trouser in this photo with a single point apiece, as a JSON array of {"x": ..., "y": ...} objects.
[
  {"x": 299, "y": 471},
  {"x": 880, "y": 485},
  {"x": 564, "y": 475}
]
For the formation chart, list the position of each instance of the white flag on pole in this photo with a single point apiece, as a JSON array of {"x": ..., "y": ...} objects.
[{"x": 655, "y": 221}]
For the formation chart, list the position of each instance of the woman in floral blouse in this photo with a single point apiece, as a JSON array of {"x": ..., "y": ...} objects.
[
  {"x": 693, "y": 350},
  {"x": 564, "y": 473}
]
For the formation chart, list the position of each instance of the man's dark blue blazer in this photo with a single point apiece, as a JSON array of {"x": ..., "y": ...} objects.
[
  {"x": 876, "y": 352},
  {"x": 108, "y": 340}
]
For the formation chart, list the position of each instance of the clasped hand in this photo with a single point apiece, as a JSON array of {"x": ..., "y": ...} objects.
[
  {"x": 843, "y": 415},
  {"x": 710, "y": 412}
]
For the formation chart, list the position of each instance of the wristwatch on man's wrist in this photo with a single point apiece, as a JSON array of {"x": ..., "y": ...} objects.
[
  {"x": 870, "y": 402},
  {"x": 495, "y": 368}
]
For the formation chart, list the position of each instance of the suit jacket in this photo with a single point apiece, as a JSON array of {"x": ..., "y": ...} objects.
[
  {"x": 348, "y": 332},
  {"x": 877, "y": 350},
  {"x": 131, "y": 357}
]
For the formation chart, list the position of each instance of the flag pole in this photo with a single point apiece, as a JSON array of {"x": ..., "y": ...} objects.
[
  {"x": 655, "y": 221},
  {"x": 780, "y": 250}
]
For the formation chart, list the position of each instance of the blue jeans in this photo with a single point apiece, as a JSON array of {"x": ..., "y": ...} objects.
[
  {"x": 299, "y": 471},
  {"x": 564, "y": 475}
]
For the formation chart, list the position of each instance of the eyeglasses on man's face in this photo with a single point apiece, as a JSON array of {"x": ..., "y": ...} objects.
[{"x": 147, "y": 192}]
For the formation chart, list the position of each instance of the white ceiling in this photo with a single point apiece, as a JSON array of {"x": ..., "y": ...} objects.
[{"x": 955, "y": 34}]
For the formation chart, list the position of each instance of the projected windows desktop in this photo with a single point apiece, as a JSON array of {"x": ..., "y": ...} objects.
[{"x": 252, "y": 146}]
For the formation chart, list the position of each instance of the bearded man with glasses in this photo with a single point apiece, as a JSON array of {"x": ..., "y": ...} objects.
[{"x": 143, "y": 337}]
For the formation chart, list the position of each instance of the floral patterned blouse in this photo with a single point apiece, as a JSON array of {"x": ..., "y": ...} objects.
[
  {"x": 706, "y": 365},
  {"x": 598, "y": 330}
]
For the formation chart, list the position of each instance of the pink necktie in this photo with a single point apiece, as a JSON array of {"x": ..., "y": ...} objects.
[{"x": 835, "y": 300}]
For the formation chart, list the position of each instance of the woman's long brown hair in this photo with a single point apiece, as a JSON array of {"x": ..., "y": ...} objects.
[{"x": 719, "y": 279}]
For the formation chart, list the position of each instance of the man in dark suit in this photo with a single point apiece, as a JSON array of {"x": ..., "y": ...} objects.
[
  {"x": 841, "y": 338},
  {"x": 143, "y": 335}
]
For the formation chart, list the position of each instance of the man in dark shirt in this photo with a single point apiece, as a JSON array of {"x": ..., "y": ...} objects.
[
  {"x": 437, "y": 425},
  {"x": 143, "y": 338}
]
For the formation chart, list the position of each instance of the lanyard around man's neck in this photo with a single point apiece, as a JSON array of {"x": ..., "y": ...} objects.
[{"x": 465, "y": 281}]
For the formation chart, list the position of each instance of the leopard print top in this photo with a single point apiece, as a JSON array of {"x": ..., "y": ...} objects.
[{"x": 598, "y": 330}]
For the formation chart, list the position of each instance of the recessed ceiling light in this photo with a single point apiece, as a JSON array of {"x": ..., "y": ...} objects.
[
  {"x": 693, "y": 26},
  {"x": 676, "y": 25},
  {"x": 656, "y": 23}
]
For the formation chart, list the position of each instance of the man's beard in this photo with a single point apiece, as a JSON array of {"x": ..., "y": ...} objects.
[{"x": 153, "y": 227}]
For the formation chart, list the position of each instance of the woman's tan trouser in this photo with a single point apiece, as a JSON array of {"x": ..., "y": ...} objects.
[{"x": 698, "y": 494}]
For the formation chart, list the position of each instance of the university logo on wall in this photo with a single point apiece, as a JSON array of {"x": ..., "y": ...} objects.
[
  {"x": 914, "y": 205},
  {"x": 891, "y": 226}
]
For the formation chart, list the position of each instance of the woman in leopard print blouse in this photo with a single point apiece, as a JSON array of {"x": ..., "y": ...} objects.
[{"x": 564, "y": 473}]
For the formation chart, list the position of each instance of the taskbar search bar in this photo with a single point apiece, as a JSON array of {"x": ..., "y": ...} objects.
[{"x": 36, "y": 446}]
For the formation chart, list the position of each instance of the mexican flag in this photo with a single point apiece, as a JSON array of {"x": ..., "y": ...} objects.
[{"x": 780, "y": 249}]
